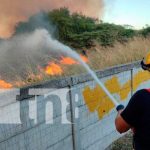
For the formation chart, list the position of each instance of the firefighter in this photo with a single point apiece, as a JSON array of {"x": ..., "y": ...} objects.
[{"x": 136, "y": 115}]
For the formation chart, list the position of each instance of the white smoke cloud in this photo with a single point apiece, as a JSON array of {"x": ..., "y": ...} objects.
[{"x": 28, "y": 50}]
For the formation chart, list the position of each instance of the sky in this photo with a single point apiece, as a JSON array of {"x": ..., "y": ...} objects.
[{"x": 131, "y": 12}]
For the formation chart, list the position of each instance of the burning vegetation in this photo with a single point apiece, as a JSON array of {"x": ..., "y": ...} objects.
[
  {"x": 5, "y": 85},
  {"x": 56, "y": 69},
  {"x": 32, "y": 54},
  {"x": 51, "y": 69}
]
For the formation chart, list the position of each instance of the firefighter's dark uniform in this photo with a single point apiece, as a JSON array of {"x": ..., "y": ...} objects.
[{"x": 137, "y": 114}]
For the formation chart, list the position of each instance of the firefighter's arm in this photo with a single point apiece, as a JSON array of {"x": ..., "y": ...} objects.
[{"x": 121, "y": 125}]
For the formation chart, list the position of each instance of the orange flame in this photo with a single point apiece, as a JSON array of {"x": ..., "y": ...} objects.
[
  {"x": 5, "y": 85},
  {"x": 84, "y": 58},
  {"x": 67, "y": 61},
  {"x": 53, "y": 69},
  {"x": 70, "y": 61}
]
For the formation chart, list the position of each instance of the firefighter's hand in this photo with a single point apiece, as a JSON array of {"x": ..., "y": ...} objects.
[{"x": 119, "y": 107}]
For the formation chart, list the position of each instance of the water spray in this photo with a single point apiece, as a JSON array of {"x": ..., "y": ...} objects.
[
  {"x": 59, "y": 47},
  {"x": 92, "y": 73}
]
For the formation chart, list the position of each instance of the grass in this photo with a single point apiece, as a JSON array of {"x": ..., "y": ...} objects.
[
  {"x": 99, "y": 58},
  {"x": 124, "y": 143}
]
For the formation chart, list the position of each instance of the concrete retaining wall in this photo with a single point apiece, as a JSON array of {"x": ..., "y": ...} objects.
[{"x": 37, "y": 117}]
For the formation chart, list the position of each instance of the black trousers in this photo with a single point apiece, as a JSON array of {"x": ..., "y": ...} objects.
[{"x": 139, "y": 146}]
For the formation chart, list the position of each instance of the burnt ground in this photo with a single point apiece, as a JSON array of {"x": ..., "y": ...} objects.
[{"x": 124, "y": 143}]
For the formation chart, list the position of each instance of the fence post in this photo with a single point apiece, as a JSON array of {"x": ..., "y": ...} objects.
[
  {"x": 131, "y": 82},
  {"x": 75, "y": 122}
]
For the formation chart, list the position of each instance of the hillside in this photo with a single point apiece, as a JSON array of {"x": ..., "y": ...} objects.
[
  {"x": 102, "y": 45},
  {"x": 79, "y": 31}
]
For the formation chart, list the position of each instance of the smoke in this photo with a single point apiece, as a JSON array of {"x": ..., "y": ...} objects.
[
  {"x": 37, "y": 21},
  {"x": 11, "y": 13},
  {"x": 27, "y": 51}
]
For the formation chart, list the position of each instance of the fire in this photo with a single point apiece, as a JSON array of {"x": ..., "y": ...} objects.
[
  {"x": 67, "y": 61},
  {"x": 70, "y": 61},
  {"x": 84, "y": 58},
  {"x": 53, "y": 69},
  {"x": 5, "y": 85}
]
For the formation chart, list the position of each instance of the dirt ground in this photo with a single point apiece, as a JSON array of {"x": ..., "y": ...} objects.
[{"x": 124, "y": 143}]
